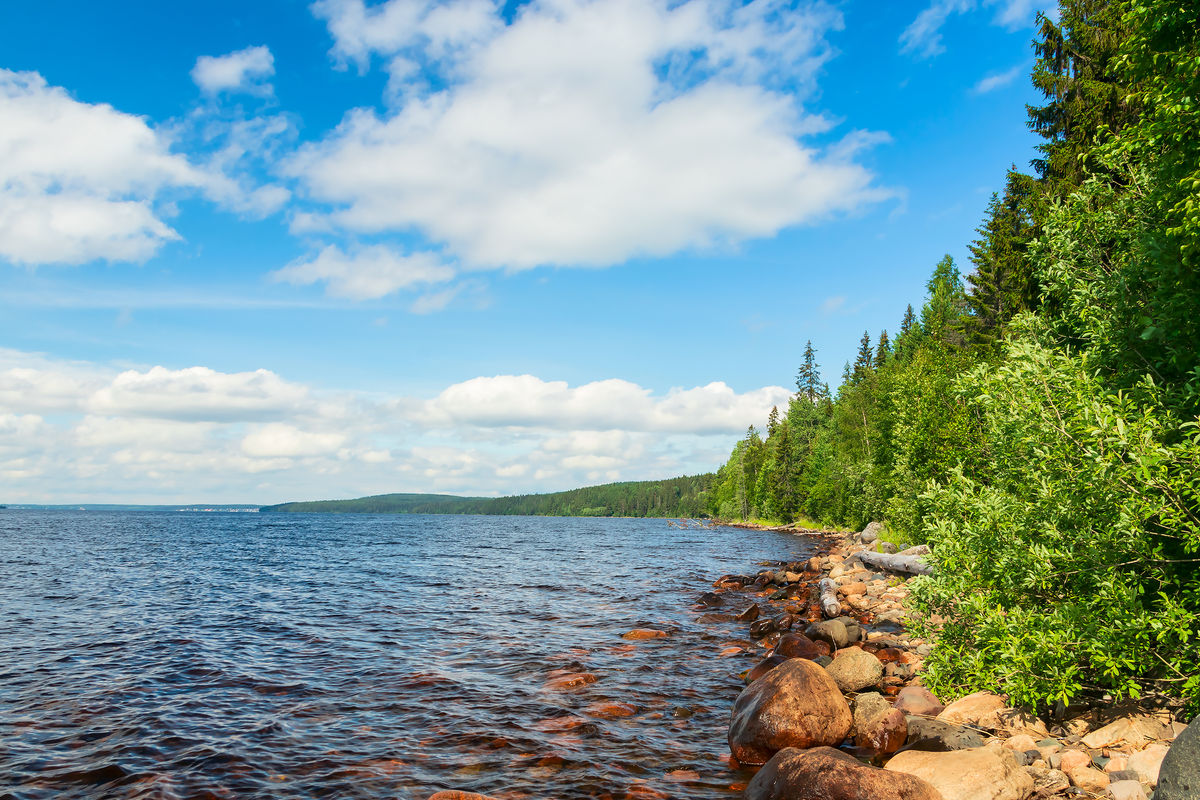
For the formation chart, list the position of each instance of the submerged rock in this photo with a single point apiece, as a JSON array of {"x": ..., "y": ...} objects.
[
  {"x": 459, "y": 796},
  {"x": 829, "y": 774},
  {"x": 644, "y": 633},
  {"x": 796, "y": 704}
]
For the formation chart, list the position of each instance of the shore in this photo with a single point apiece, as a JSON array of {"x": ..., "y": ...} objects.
[{"x": 834, "y": 706}]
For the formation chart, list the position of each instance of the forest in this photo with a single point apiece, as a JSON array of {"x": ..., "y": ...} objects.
[
  {"x": 1035, "y": 421},
  {"x": 674, "y": 497}
]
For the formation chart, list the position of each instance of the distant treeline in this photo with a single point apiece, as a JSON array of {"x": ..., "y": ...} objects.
[{"x": 674, "y": 497}]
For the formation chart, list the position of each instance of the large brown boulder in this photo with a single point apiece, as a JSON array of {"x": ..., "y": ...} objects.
[
  {"x": 980, "y": 774},
  {"x": 797, "y": 645},
  {"x": 829, "y": 774},
  {"x": 796, "y": 704},
  {"x": 919, "y": 701},
  {"x": 981, "y": 709},
  {"x": 878, "y": 727}
]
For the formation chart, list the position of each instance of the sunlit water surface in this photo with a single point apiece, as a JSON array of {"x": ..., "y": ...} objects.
[{"x": 192, "y": 655}]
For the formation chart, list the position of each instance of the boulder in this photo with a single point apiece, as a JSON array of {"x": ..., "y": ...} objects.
[
  {"x": 979, "y": 709},
  {"x": 795, "y": 704},
  {"x": 878, "y": 727},
  {"x": 854, "y": 669},
  {"x": 1135, "y": 729},
  {"x": 1089, "y": 779},
  {"x": 871, "y": 532},
  {"x": 797, "y": 645},
  {"x": 710, "y": 599},
  {"x": 919, "y": 701},
  {"x": 832, "y": 631},
  {"x": 750, "y": 614},
  {"x": 933, "y": 735},
  {"x": 1148, "y": 763},
  {"x": 1126, "y": 790},
  {"x": 829, "y": 774},
  {"x": 979, "y": 774},
  {"x": 1179, "y": 776}
]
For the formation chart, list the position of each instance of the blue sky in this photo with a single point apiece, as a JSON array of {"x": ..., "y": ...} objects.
[{"x": 269, "y": 251}]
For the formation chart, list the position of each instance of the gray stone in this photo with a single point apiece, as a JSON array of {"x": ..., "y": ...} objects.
[
  {"x": 854, "y": 669},
  {"x": 831, "y": 631},
  {"x": 1179, "y": 777},
  {"x": 935, "y": 735},
  {"x": 871, "y": 532}
]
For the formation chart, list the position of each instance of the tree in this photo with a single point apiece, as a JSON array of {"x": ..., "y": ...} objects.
[
  {"x": 1004, "y": 282},
  {"x": 808, "y": 378},
  {"x": 863, "y": 363},
  {"x": 883, "y": 351},
  {"x": 944, "y": 311}
]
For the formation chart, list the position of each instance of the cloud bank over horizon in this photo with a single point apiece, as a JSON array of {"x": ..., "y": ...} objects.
[{"x": 73, "y": 431}]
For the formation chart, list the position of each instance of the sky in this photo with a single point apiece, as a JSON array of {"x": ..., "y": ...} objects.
[{"x": 271, "y": 251}]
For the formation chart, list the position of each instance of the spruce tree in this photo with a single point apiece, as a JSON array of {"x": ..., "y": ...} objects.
[
  {"x": 943, "y": 315},
  {"x": 808, "y": 378},
  {"x": 1004, "y": 282},
  {"x": 862, "y": 364},
  {"x": 904, "y": 342},
  {"x": 883, "y": 351}
]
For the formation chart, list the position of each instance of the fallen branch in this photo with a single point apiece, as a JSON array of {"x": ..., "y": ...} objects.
[
  {"x": 910, "y": 564},
  {"x": 830, "y": 605}
]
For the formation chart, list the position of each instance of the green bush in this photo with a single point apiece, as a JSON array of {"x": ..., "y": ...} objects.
[{"x": 1071, "y": 565}]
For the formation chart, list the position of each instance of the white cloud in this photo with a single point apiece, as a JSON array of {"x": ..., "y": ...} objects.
[
  {"x": 923, "y": 37},
  {"x": 367, "y": 272},
  {"x": 80, "y": 181},
  {"x": 583, "y": 133},
  {"x": 78, "y": 432},
  {"x": 198, "y": 393},
  {"x": 241, "y": 71},
  {"x": 998, "y": 80},
  {"x": 280, "y": 440},
  {"x": 530, "y": 402}
]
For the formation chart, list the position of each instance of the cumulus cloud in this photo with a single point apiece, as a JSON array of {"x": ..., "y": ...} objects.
[
  {"x": 529, "y": 401},
  {"x": 584, "y": 132},
  {"x": 74, "y": 432},
  {"x": 367, "y": 272},
  {"x": 79, "y": 181},
  {"x": 241, "y": 71},
  {"x": 923, "y": 37}
]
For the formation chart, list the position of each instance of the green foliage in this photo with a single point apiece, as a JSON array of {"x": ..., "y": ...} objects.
[
  {"x": 1070, "y": 563},
  {"x": 1004, "y": 283}
]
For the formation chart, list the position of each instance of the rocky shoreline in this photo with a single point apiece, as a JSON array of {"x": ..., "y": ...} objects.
[{"x": 836, "y": 710}]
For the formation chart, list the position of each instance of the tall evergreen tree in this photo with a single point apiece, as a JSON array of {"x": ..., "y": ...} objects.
[
  {"x": 904, "y": 343},
  {"x": 943, "y": 313},
  {"x": 1004, "y": 282},
  {"x": 808, "y": 378},
  {"x": 883, "y": 351},
  {"x": 862, "y": 364}
]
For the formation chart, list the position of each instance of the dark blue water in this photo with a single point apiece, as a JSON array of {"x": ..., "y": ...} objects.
[{"x": 192, "y": 655}]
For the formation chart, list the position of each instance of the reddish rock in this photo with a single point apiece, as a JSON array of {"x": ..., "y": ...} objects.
[
  {"x": 829, "y": 774},
  {"x": 571, "y": 680},
  {"x": 763, "y": 667},
  {"x": 979, "y": 709},
  {"x": 797, "y": 645},
  {"x": 855, "y": 589},
  {"x": 750, "y": 614},
  {"x": 918, "y": 701},
  {"x": 796, "y": 704},
  {"x": 459, "y": 796},
  {"x": 610, "y": 710},
  {"x": 644, "y": 633}
]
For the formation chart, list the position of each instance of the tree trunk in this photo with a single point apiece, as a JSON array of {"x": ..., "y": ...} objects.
[
  {"x": 908, "y": 563},
  {"x": 830, "y": 605}
]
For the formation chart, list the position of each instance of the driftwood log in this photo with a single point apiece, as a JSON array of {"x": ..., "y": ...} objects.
[
  {"x": 906, "y": 562},
  {"x": 830, "y": 605}
]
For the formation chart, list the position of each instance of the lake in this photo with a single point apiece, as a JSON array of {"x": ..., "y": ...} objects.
[{"x": 220, "y": 655}]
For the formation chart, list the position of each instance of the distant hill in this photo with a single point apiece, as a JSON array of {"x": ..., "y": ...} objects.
[{"x": 673, "y": 497}]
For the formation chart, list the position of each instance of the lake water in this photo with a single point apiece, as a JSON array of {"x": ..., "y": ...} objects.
[{"x": 217, "y": 655}]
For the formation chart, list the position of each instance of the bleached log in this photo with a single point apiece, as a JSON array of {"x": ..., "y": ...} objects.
[
  {"x": 830, "y": 605},
  {"x": 898, "y": 562}
]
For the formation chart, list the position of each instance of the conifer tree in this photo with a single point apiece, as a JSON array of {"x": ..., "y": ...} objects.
[
  {"x": 883, "y": 351},
  {"x": 808, "y": 378},
  {"x": 772, "y": 421},
  {"x": 904, "y": 343},
  {"x": 942, "y": 315},
  {"x": 862, "y": 364},
  {"x": 1004, "y": 282}
]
